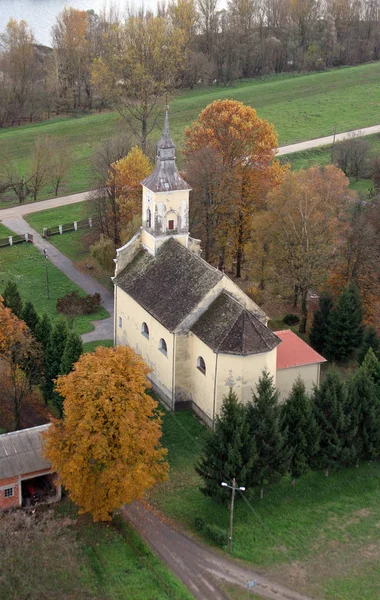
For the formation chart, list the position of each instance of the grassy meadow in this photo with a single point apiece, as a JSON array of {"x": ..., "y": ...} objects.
[
  {"x": 319, "y": 537},
  {"x": 300, "y": 106},
  {"x": 26, "y": 266}
]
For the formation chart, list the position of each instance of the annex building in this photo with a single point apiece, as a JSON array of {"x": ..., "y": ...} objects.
[{"x": 194, "y": 327}]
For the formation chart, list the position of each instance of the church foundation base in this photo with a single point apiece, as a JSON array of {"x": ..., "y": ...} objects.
[{"x": 202, "y": 415}]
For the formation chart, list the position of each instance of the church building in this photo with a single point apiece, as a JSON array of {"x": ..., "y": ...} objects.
[{"x": 194, "y": 327}]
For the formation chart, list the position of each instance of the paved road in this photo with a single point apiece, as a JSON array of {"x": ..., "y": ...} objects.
[
  {"x": 104, "y": 328},
  {"x": 197, "y": 566},
  {"x": 26, "y": 209},
  {"x": 325, "y": 141}
]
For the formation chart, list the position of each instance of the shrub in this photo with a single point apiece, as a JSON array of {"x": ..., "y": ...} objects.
[
  {"x": 74, "y": 304},
  {"x": 291, "y": 319},
  {"x": 199, "y": 523},
  {"x": 216, "y": 534}
]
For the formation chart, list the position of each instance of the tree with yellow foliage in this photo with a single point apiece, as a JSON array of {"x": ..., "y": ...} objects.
[
  {"x": 125, "y": 176},
  {"x": 246, "y": 146},
  {"x": 107, "y": 449}
]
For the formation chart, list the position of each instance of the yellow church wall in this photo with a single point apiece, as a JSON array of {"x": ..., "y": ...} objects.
[
  {"x": 148, "y": 241},
  {"x": 129, "y": 332},
  {"x": 310, "y": 375},
  {"x": 202, "y": 385},
  {"x": 242, "y": 374}
]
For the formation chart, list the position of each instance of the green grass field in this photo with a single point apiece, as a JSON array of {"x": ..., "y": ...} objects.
[
  {"x": 320, "y": 537},
  {"x": 4, "y": 232},
  {"x": 58, "y": 216},
  {"x": 25, "y": 265},
  {"x": 91, "y": 346},
  {"x": 116, "y": 564},
  {"x": 301, "y": 107}
]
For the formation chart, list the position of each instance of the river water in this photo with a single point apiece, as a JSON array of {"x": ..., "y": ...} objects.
[{"x": 40, "y": 14}]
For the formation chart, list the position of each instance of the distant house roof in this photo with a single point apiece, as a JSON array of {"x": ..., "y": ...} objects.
[
  {"x": 169, "y": 285},
  {"x": 294, "y": 352},
  {"x": 229, "y": 328},
  {"x": 20, "y": 452}
]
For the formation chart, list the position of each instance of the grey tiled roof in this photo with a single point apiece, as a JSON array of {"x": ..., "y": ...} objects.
[
  {"x": 229, "y": 328},
  {"x": 171, "y": 284},
  {"x": 20, "y": 452}
]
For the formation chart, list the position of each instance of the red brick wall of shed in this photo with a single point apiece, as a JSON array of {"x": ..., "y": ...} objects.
[{"x": 13, "y": 500}]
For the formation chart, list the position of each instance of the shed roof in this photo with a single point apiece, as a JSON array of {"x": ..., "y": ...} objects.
[
  {"x": 169, "y": 285},
  {"x": 294, "y": 352},
  {"x": 228, "y": 327},
  {"x": 20, "y": 452}
]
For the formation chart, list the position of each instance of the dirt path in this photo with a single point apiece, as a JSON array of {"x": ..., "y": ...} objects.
[
  {"x": 198, "y": 567},
  {"x": 104, "y": 328}
]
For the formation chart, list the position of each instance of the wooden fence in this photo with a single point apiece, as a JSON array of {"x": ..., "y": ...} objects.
[
  {"x": 60, "y": 229},
  {"x": 12, "y": 240}
]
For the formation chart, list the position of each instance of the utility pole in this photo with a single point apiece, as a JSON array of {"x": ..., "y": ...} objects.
[
  {"x": 233, "y": 489},
  {"x": 47, "y": 274}
]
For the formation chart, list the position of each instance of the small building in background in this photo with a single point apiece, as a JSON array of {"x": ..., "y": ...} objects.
[
  {"x": 26, "y": 478},
  {"x": 295, "y": 359}
]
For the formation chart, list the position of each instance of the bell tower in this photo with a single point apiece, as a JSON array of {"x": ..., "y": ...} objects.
[{"x": 165, "y": 205}]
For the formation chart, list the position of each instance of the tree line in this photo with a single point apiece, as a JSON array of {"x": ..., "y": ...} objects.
[
  {"x": 33, "y": 351},
  {"x": 260, "y": 442},
  {"x": 102, "y": 60}
]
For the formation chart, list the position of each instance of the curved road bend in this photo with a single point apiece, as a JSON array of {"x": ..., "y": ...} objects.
[{"x": 198, "y": 567}]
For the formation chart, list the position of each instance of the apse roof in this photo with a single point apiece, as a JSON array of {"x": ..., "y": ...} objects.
[{"x": 227, "y": 327}]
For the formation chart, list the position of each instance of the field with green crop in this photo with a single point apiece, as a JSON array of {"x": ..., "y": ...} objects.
[
  {"x": 320, "y": 536},
  {"x": 25, "y": 265},
  {"x": 301, "y": 107}
]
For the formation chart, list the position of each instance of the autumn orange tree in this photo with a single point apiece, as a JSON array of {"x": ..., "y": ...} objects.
[
  {"x": 125, "y": 176},
  {"x": 304, "y": 220},
  {"x": 107, "y": 449},
  {"x": 20, "y": 359},
  {"x": 246, "y": 146}
]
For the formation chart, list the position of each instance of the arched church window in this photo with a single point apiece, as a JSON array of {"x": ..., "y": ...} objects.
[
  {"x": 145, "y": 330},
  {"x": 201, "y": 365},
  {"x": 148, "y": 218},
  {"x": 163, "y": 347}
]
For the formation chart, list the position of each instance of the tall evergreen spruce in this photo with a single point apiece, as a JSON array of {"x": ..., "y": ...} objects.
[
  {"x": 43, "y": 331},
  {"x": 300, "y": 428},
  {"x": 71, "y": 354},
  {"x": 12, "y": 298},
  {"x": 330, "y": 411},
  {"x": 345, "y": 331},
  {"x": 319, "y": 328},
  {"x": 370, "y": 340},
  {"x": 30, "y": 317},
  {"x": 371, "y": 366},
  {"x": 229, "y": 451},
  {"x": 53, "y": 355},
  {"x": 264, "y": 416},
  {"x": 365, "y": 404}
]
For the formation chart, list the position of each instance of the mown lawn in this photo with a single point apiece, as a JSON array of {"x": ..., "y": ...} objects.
[
  {"x": 26, "y": 266},
  {"x": 91, "y": 346},
  {"x": 300, "y": 106},
  {"x": 58, "y": 216},
  {"x": 4, "y": 231},
  {"x": 320, "y": 537},
  {"x": 116, "y": 564}
]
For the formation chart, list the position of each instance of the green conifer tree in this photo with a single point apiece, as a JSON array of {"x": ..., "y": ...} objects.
[
  {"x": 264, "y": 416},
  {"x": 12, "y": 298},
  {"x": 71, "y": 355},
  {"x": 370, "y": 340},
  {"x": 301, "y": 430},
  {"x": 365, "y": 404},
  {"x": 319, "y": 328},
  {"x": 53, "y": 355},
  {"x": 345, "y": 325},
  {"x": 30, "y": 317},
  {"x": 334, "y": 426},
  {"x": 229, "y": 451},
  {"x": 43, "y": 331},
  {"x": 371, "y": 366}
]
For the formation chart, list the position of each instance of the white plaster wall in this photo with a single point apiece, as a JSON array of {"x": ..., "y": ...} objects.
[
  {"x": 286, "y": 377},
  {"x": 202, "y": 385},
  {"x": 133, "y": 315},
  {"x": 242, "y": 373}
]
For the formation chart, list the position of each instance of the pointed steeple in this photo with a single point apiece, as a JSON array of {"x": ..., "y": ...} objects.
[{"x": 165, "y": 177}]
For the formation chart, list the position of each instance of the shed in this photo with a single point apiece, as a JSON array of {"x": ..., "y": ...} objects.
[
  {"x": 25, "y": 475},
  {"x": 295, "y": 358}
]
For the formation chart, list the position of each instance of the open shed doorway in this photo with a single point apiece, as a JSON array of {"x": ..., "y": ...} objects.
[{"x": 41, "y": 489}]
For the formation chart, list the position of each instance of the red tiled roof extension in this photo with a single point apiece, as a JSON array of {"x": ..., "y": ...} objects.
[{"x": 294, "y": 352}]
